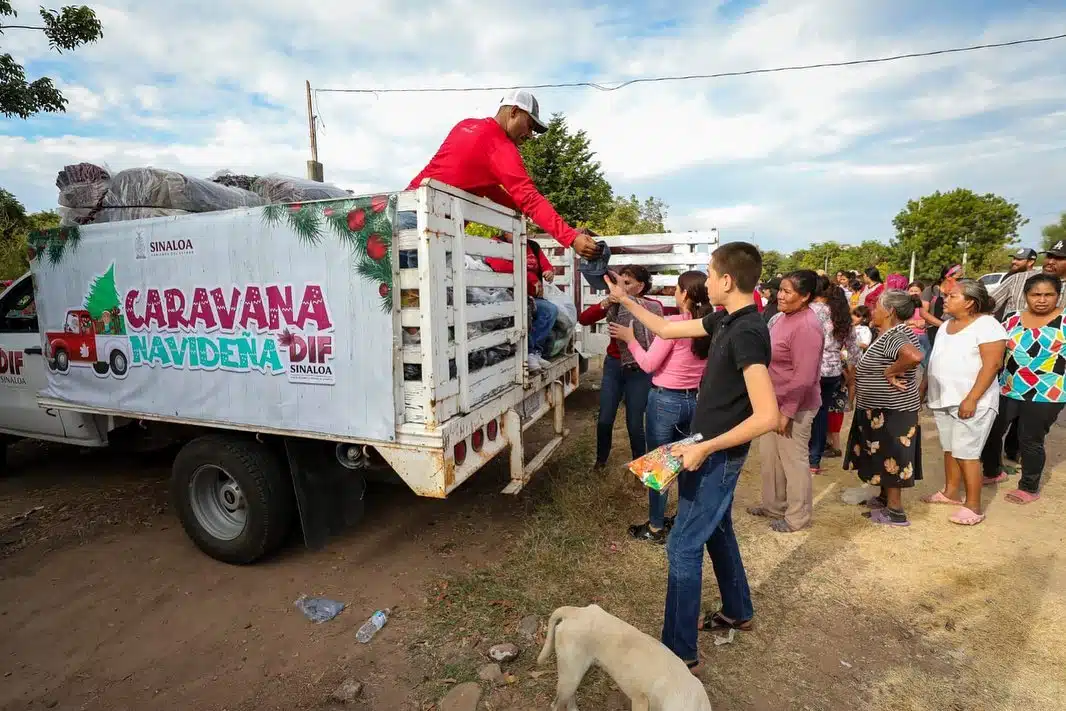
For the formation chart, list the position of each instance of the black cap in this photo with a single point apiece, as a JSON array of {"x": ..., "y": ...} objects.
[
  {"x": 1057, "y": 250},
  {"x": 1024, "y": 253}
]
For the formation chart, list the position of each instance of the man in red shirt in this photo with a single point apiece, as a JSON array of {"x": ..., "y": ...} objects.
[{"x": 481, "y": 156}]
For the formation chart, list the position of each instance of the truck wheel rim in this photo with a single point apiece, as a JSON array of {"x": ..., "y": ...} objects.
[{"x": 218, "y": 502}]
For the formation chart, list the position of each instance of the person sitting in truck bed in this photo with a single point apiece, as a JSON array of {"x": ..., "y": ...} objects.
[
  {"x": 544, "y": 312},
  {"x": 481, "y": 157}
]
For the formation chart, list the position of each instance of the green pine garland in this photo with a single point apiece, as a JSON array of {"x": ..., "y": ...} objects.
[
  {"x": 356, "y": 223},
  {"x": 52, "y": 244}
]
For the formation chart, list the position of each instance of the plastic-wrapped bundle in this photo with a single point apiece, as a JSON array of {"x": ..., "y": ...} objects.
[
  {"x": 82, "y": 187},
  {"x": 120, "y": 214},
  {"x": 284, "y": 188},
  {"x": 167, "y": 189},
  {"x": 228, "y": 178}
]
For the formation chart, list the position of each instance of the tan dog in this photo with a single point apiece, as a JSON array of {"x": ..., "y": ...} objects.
[{"x": 648, "y": 673}]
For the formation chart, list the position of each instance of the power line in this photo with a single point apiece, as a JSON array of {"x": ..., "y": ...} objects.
[{"x": 689, "y": 77}]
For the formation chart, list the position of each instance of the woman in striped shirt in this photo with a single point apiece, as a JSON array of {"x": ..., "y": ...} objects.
[
  {"x": 676, "y": 367},
  {"x": 885, "y": 446}
]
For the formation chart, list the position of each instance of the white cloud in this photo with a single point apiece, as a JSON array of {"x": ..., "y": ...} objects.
[
  {"x": 224, "y": 81},
  {"x": 722, "y": 217}
]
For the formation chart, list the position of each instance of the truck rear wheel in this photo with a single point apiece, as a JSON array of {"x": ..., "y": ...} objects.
[
  {"x": 234, "y": 497},
  {"x": 62, "y": 360},
  {"x": 119, "y": 364}
]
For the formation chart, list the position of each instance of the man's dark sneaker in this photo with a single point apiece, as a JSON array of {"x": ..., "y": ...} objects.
[{"x": 644, "y": 532}]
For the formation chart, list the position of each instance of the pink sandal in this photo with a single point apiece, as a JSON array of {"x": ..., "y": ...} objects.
[
  {"x": 966, "y": 517},
  {"x": 1021, "y": 497},
  {"x": 990, "y": 480},
  {"x": 939, "y": 498}
]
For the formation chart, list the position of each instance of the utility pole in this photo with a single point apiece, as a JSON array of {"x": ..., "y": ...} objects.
[
  {"x": 965, "y": 253},
  {"x": 912, "y": 266},
  {"x": 314, "y": 168}
]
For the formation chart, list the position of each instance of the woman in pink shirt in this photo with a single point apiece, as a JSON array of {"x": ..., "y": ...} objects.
[
  {"x": 676, "y": 367},
  {"x": 796, "y": 343}
]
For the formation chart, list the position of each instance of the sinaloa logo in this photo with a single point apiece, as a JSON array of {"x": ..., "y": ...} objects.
[
  {"x": 168, "y": 247},
  {"x": 140, "y": 247}
]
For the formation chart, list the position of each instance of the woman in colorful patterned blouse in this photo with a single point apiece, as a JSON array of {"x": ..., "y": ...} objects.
[{"x": 1032, "y": 391}]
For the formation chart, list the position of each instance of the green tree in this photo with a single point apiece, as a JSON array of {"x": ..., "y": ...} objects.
[
  {"x": 772, "y": 263},
  {"x": 15, "y": 226},
  {"x": 1054, "y": 233},
  {"x": 68, "y": 28},
  {"x": 12, "y": 215},
  {"x": 938, "y": 227},
  {"x": 630, "y": 216},
  {"x": 564, "y": 169}
]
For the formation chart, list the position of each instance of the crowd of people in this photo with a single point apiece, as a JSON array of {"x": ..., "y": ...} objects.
[
  {"x": 783, "y": 362},
  {"x": 787, "y": 373}
]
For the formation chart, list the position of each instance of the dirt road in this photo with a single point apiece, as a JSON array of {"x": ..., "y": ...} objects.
[
  {"x": 104, "y": 603},
  {"x": 107, "y": 605}
]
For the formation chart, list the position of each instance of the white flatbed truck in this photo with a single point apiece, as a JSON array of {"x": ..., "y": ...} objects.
[{"x": 288, "y": 347}]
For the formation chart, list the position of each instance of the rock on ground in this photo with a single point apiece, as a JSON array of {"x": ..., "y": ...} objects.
[
  {"x": 348, "y": 691},
  {"x": 528, "y": 627},
  {"x": 490, "y": 672},
  {"x": 504, "y": 652},
  {"x": 463, "y": 697}
]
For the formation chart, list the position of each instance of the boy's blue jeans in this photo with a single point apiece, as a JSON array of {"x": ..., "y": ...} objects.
[{"x": 704, "y": 519}]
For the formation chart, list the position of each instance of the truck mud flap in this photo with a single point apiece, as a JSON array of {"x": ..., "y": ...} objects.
[{"x": 330, "y": 497}]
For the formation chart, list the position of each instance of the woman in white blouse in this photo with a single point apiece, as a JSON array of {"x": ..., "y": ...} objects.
[{"x": 966, "y": 358}]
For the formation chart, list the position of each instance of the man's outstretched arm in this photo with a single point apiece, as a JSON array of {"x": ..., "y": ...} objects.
[{"x": 653, "y": 322}]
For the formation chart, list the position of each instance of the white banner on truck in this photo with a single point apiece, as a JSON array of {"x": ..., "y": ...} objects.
[{"x": 275, "y": 317}]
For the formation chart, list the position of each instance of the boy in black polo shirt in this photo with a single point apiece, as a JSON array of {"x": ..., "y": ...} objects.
[{"x": 736, "y": 404}]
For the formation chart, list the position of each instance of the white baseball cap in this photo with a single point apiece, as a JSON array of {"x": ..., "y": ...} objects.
[{"x": 524, "y": 100}]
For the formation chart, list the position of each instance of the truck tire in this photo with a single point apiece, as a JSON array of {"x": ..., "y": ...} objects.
[
  {"x": 119, "y": 363},
  {"x": 62, "y": 360},
  {"x": 234, "y": 497}
]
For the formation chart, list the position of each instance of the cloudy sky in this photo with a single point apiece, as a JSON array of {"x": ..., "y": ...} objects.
[{"x": 203, "y": 85}]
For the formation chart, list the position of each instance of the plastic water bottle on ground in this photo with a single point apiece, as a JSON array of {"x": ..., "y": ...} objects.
[{"x": 371, "y": 626}]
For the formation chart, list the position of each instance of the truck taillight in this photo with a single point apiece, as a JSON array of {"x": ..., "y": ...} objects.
[
  {"x": 477, "y": 439},
  {"x": 491, "y": 429},
  {"x": 460, "y": 453}
]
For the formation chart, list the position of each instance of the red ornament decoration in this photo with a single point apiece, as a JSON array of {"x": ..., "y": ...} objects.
[
  {"x": 378, "y": 203},
  {"x": 383, "y": 290},
  {"x": 375, "y": 247},
  {"x": 328, "y": 212},
  {"x": 357, "y": 219},
  {"x": 295, "y": 207}
]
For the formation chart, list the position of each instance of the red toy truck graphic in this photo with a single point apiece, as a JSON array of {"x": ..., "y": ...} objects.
[{"x": 84, "y": 341}]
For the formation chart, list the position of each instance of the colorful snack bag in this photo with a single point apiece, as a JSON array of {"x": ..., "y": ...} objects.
[{"x": 658, "y": 468}]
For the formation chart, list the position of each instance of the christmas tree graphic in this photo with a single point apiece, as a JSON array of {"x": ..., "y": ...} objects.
[
  {"x": 102, "y": 303},
  {"x": 363, "y": 224}
]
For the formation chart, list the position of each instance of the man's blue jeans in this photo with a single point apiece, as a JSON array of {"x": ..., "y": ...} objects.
[
  {"x": 667, "y": 419},
  {"x": 704, "y": 518},
  {"x": 542, "y": 325},
  {"x": 633, "y": 384}
]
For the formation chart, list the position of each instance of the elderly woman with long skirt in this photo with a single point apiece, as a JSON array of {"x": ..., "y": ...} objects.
[{"x": 885, "y": 445}]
